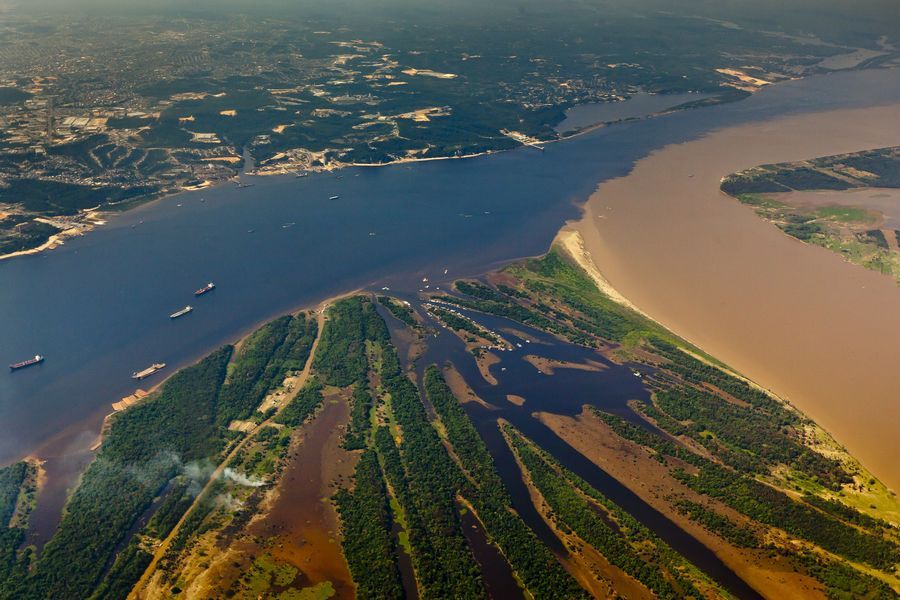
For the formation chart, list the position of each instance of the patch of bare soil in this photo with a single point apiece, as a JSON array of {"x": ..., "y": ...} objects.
[
  {"x": 485, "y": 360},
  {"x": 517, "y": 400},
  {"x": 460, "y": 388},
  {"x": 550, "y": 365}
]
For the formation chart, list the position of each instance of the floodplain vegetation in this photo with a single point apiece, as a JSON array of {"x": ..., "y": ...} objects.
[
  {"x": 167, "y": 508},
  {"x": 155, "y": 458},
  {"x": 859, "y": 233},
  {"x": 741, "y": 464}
]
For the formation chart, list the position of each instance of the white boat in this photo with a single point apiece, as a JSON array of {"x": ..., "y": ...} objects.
[
  {"x": 181, "y": 312},
  {"x": 148, "y": 371}
]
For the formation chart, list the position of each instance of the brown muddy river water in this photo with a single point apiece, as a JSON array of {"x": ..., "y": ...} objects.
[{"x": 797, "y": 319}]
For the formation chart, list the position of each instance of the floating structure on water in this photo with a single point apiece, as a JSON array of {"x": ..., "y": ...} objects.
[
  {"x": 205, "y": 289},
  {"x": 182, "y": 312},
  {"x": 35, "y": 360},
  {"x": 151, "y": 370}
]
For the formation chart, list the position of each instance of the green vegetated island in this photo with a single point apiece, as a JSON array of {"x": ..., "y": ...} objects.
[
  {"x": 179, "y": 499},
  {"x": 101, "y": 111},
  {"x": 856, "y": 212}
]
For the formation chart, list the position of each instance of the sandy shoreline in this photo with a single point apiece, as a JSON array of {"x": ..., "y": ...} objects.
[
  {"x": 797, "y": 319},
  {"x": 54, "y": 241}
]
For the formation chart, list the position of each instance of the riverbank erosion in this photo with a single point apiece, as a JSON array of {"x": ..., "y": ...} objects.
[{"x": 812, "y": 328}]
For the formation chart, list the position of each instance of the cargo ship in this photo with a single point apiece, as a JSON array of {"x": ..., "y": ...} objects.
[
  {"x": 334, "y": 197},
  {"x": 206, "y": 288},
  {"x": 181, "y": 312},
  {"x": 38, "y": 359},
  {"x": 154, "y": 368}
]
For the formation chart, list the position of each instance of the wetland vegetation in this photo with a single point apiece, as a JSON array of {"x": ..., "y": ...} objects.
[
  {"x": 727, "y": 441},
  {"x": 744, "y": 469},
  {"x": 823, "y": 201}
]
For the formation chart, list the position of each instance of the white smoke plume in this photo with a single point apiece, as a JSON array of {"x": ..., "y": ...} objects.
[
  {"x": 229, "y": 502},
  {"x": 198, "y": 473},
  {"x": 241, "y": 479}
]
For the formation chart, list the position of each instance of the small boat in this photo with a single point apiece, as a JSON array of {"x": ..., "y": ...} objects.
[
  {"x": 154, "y": 368},
  {"x": 181, "y": 312},
  {"x": 334, "y": 197},
  {"x": 205, "y": 289},
  {"x": 36, "y": 360}
]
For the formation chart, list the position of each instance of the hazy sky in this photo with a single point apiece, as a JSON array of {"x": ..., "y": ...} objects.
[{"x": 860, "y": 19}]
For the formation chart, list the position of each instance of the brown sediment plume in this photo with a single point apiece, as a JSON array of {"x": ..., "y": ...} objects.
[{"x": 818, "y": 331}]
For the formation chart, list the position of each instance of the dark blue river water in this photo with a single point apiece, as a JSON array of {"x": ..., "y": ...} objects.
[
  {"x": 98, "y": 307},
  {"x": 565, "y": 392}
]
